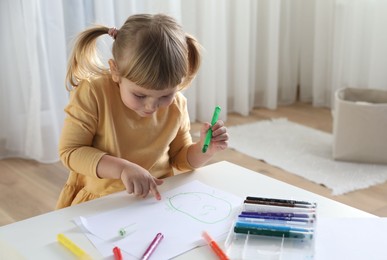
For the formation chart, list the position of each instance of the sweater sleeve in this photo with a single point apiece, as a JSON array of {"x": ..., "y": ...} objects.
[
  {"x": 183, "y": 140},
  {"x": 76, "y": 142}
]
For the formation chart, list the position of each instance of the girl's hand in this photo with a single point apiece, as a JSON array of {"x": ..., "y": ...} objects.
[
  {"x": 140, "y": 182},
  {"x": 219, "y": 140}
]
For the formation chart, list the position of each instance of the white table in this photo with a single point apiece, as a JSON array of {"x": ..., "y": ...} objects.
[{"x": 35, "y": 238}]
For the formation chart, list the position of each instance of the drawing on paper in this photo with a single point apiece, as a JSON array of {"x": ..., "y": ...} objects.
[{"x": 201, "y": 206}]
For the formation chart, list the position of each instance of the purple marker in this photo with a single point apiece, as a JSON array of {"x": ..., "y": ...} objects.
[{"x": 152, "y": 247}]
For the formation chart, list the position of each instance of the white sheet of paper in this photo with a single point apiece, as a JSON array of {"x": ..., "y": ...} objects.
[
  {"x": 351, "y": 238},
  {"x": 181, "y": 216},
  {"x": 103, "y": 247}
]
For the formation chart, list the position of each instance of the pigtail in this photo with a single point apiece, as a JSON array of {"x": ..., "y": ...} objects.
[
  {"x": 84, "y": 62},
  {"x": 194, "y": 59}
]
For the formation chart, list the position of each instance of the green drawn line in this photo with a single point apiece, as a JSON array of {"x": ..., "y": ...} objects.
[{"x": 211, "y": 206}]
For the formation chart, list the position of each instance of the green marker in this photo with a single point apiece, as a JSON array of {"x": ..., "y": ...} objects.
[{"x": 209, "y": 132}]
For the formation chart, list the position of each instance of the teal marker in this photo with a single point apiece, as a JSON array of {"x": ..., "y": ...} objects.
[
  {"x": 274, "y": 233},
  {"x": 209, "y": 132}
]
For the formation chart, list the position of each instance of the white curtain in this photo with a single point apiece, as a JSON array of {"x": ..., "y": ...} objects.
[
  {"x": 33, "y": 64},
  {"x": 257, "y": 53}
]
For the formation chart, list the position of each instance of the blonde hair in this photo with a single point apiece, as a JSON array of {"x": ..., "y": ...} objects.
[{"x": 152, "y": 51}]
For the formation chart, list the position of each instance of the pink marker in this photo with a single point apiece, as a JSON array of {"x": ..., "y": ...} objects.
[{"x": 152, "y": 247}]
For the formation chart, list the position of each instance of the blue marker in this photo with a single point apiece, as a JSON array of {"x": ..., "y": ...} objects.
[
  {"x": 302, "y": 220},
  {"x": 271, "y": 227},
  {"x": 277, "y": 222}
]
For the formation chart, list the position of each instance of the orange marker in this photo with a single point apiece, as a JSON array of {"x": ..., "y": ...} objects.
[{"x": 215, "y": 247}]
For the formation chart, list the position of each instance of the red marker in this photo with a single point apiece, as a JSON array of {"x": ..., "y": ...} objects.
[{"x": 117, "y": 253}]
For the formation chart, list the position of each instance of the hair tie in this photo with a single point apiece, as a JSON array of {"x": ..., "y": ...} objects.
[{"x": 113, "y": 32}]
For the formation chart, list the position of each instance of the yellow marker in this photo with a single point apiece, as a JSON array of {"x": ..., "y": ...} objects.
[{"x": 65, "y": 241}]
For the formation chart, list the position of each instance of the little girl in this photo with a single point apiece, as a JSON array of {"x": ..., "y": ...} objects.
[{"x": 128, "y": 127}]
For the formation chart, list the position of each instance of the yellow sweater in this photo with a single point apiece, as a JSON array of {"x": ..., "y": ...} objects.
[{"x": 99, "y": 123}]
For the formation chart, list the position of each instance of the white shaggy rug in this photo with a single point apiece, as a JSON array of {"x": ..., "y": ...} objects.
[{"x": 305, "y": 152}]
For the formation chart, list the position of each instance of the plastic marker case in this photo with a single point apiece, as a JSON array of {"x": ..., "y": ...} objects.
[{"x": 266, "y": 230}]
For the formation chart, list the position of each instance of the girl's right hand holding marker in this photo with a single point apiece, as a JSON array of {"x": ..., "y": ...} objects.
[{"x": 140, "y": 182}]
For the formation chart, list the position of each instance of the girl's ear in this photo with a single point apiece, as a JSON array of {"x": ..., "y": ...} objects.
[{"x": 114, "y": 70}]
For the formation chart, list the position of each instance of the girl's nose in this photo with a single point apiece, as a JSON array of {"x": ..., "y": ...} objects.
[{"x": 151, "y": 105}]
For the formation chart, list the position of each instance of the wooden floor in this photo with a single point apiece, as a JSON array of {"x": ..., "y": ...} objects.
[{"x": 28, "y": 188}]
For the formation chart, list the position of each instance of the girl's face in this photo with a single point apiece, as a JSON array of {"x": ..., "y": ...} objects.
[{"x": 144, "y": 101}]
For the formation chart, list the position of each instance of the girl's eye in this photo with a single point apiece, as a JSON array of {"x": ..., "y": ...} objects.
[
  {"x": 139, "y": 96},
  {"x": 165, "y": 97}
]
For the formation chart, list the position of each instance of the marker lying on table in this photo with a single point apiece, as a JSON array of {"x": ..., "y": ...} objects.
[
  {"x": 277, "y": 203},
  {"x": 268, "y": 218},
  {"x": 117, "y": 253},
  {"x": 281, "y": 201},
  {"x": 207, "y": 141},
  {"x": 277, "y": 221},
  {"x": 152, "y": 247},
  {"x": 280, "y": 214},
  {"x": 271, "y": 226},
  {"x": 253, "y": 207},
  {"x": 65, "y": 241},
  {"x": 273, "y": 233},
  {"x": 214, "y": 246},
  {"x": 291, "y": 205}
]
